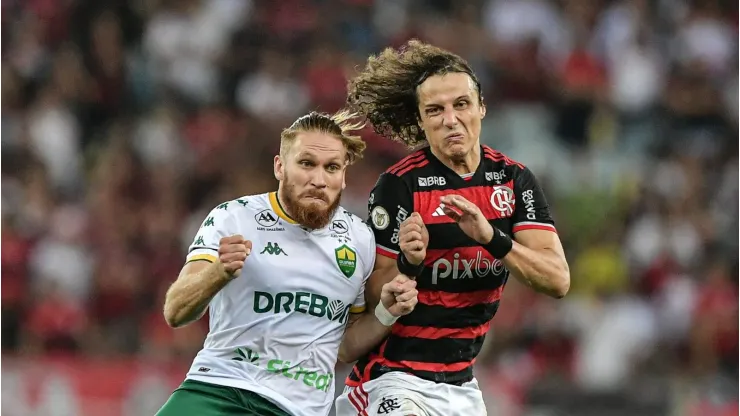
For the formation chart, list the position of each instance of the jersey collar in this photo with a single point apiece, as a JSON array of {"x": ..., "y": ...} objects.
[
  {"x": 275, "y": 204},
  {"x": 478, "y": 173}
]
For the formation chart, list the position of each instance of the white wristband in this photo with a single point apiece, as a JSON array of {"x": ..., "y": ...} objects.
[{"x": 385, "y": 317}]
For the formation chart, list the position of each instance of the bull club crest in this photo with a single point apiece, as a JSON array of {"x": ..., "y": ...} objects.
[{"x": 346, "y": 260}]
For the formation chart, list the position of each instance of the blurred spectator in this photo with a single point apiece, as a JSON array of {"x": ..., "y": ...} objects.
[{"x": 123, "y": 123}]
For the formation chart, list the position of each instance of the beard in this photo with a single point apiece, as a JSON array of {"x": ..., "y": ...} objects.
[{"x": 313, "y": 215}]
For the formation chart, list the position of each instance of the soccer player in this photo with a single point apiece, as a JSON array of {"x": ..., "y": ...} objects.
[
  {"x": 484, "y": 217},
  {"x": 283, "y": 275}
]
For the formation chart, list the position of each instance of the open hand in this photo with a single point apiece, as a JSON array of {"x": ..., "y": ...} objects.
[{"x": 468, "y": 217}]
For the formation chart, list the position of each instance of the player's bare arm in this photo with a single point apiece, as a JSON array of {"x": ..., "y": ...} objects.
[
  {"x": 366, "y": 330},
  {"x": 199, "y": 281},
  {"x": 389, "y": 294},
  {"x": 384, "y": 271},
  {"x": 413, "y": 241},
  {"x": 536, "y": 258}
]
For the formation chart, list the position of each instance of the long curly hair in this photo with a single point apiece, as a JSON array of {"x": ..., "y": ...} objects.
[{"x": 385, "y": 91}]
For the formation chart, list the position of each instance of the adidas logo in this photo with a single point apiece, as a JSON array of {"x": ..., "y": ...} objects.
[{"x": 438, "y": 212}]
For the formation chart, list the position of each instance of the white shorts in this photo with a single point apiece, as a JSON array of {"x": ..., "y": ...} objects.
[{"x": 401, "y": 394}]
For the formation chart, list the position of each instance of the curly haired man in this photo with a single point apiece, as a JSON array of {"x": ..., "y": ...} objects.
[{"x": 459, "y": 217}]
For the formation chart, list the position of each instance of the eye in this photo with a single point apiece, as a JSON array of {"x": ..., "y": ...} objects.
[
  {"x": 305, "y": 163},
  {"x": 462, "y": 104},
  {"x": 333, "y": 167},
  {"x": 432, "y": 111}
]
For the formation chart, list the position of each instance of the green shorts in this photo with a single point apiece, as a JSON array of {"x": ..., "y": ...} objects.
[{"x": 195, "y": 398}]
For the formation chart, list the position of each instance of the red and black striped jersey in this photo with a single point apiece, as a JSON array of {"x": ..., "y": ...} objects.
[{"x": 460, "y": 287}]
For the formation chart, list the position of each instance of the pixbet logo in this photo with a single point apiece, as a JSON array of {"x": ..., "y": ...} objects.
[{"x": 471, "y": 268}]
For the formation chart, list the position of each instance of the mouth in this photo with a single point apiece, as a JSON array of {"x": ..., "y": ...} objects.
[
  {"x": 314, "y": 198},
  {"x": 455, "y": 137}
]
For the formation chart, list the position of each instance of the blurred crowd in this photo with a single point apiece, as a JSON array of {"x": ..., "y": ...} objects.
[{"x": 125, "y": 122}]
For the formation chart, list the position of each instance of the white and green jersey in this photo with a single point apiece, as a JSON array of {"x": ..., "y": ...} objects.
[{"x": 275, "y": 330}]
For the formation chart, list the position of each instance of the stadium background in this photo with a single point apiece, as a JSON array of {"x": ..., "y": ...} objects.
[{"x": 124, "y": 122}]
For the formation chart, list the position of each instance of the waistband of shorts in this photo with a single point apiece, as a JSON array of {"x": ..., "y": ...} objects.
[{"x": 457, "y": 383}]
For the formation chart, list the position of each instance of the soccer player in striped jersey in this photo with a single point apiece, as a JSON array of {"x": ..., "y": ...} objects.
[
  {"x": 459, "y": 216},
  {"x": 283, "y": 275}
]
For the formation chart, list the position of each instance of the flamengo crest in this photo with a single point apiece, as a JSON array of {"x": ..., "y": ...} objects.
[{"x": 503, "y": 201}]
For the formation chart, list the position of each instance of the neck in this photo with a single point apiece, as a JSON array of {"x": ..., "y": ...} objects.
[
  {"x": 281, "y": 201},
  {"x": 461, "y": 165}
]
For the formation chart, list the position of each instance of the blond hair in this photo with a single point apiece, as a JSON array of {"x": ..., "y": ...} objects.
[{"x": 340, "y": 125}]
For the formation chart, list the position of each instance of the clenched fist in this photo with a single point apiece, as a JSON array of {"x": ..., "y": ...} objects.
[
  {"x": 399, "y": 296},
  {"x": 232, "y": 252},
  {"x": 413, "y": 239}
]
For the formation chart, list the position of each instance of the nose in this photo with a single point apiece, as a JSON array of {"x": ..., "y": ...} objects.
[
  {"x": 449, "y": 118},
  {"x": 318, "y": 179}
]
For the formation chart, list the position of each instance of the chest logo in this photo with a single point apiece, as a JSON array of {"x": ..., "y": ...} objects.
[
  {"x": 265, "y": 218},
  {"x": 273, "y": 249},
  {"x": 339, "y": 226},
  {"x": 502, "y": 200},
  {"x": 346, "y": 260}
]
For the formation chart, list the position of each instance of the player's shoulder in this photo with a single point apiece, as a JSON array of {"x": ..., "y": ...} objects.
[
  {"x": 411, "y": 166},
  {"x": 402, "y": 174},
  {"x": 247, "y": 204},
  {"x": 496, "y": 159},
  {"x": 353, "y": 225}
]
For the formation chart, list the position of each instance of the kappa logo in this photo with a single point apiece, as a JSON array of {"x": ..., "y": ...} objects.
[
  {"x": 502, "y": 200},
  {"x": 266, "y": 218},
  {"x": 346, "y": 259},
  {"x": 339, "y": 226},
  {"x": 274, "y": 249}
]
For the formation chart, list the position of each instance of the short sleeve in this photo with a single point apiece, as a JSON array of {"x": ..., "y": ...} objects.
[
  {"x": 358, "y": 305},
  {"x": 219, "y": 223},
  {"x": 390, "y": 203},
  {"x": 532, "y": 211}
]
